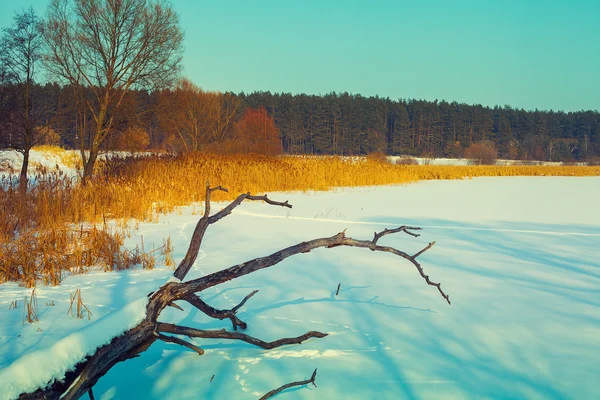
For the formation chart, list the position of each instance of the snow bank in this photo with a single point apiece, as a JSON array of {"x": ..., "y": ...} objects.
[
  {"x": 42, "y": 367},
  {"x": 518, "y": 256}
]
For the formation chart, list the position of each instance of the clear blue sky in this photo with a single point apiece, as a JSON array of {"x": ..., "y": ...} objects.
[{"x": 541, "y": 54}]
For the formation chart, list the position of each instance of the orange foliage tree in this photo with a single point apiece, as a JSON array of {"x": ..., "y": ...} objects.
[{"x": 256, "y": 133}]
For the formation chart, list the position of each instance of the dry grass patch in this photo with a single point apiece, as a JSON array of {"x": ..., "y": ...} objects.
[{"x": 59, "y": 225}]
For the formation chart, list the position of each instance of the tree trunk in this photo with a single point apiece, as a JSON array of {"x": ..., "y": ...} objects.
[
  {"x": 23, "y": 180},
  {"x": 88, "y": 169}
]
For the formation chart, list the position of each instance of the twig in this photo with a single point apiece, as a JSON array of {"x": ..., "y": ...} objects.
[
  {"x": 246, "y": 196},
  {"x": 430, "y": 245},
  {"x": 289, "y": 385},
  {"x": 236, "y": 308},
  {"x": 403, "y": 228},
  {"x": 338, "y": 289},
  {"x": 172, "y": 304},
  {"x": 180, "y": 342}
]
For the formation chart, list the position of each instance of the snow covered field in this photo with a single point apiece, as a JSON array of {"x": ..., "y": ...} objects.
[{"x": 518, "y": 257}]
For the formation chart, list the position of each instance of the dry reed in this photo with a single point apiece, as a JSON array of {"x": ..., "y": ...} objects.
[
  {"x": 60, "y": 225},
  {"x": 80, "y": 307}
]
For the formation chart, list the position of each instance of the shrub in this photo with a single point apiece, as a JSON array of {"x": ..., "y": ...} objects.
[
  {"x": 482, "y": 153},
  {"x": 377, "y": 157},
  {"x": 407, "y": 161},
  {"x": 48, "y": 136},
  {"x": 593, "y": 162},
  {"x": 133, "y": 139}
]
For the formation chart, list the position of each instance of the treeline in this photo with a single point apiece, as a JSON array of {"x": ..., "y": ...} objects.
[
  {"x": 186, "y": 118},
  {"x": 183, "y": 118},
  {"x": 348, "y": 124}
]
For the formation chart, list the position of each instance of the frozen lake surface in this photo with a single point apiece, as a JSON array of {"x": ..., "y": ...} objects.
[{"x": 518, "y": 257}]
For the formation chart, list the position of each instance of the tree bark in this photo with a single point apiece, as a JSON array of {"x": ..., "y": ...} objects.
[
  {"x": 23, "y": 179},
  {"x": 88, "y": 168}
]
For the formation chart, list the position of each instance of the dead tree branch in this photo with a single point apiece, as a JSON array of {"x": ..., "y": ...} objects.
[
  {"x": 220, "y": 314},
  {"x": 171, "y": 339},
  {"x": 289, "y": 385},
  {"x": 405, "y": 229},
  {"x": 223, "y": 334},
  {"x": 205, "y": 282},
  {"x": 86, "y": 373},
  {"x": 190, "y": 257}
]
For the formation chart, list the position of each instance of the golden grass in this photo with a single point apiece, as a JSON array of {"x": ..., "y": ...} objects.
[{"x": 37, "y": 239}]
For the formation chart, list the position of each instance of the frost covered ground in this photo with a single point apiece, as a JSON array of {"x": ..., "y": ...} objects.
[
  {"x": 518, "y": 256},
  {"x": 51, "y": 161}
]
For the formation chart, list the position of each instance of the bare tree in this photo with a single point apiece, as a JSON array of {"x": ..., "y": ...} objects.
[
  {"x": 20, "y": 53},
  {"x": 196, "y": 117},
  {"x": 84, "y": 375},
  {"x": 110, "y": 47}
]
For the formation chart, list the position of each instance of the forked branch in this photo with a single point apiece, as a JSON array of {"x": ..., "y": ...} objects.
[
  {"x": 172, "y": 339},
  {"x": 212, "y": 312},
  {"x": 246, "y": 196},
  {"x": 190, "y": 257},
  {"x": 289, "y": 385},
  {"x": 403, "y": 228},
  {"x": 223, "y": 334},
  {"x": 340, "y": 239}
]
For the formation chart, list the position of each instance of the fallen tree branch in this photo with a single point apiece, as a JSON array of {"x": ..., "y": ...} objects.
[
  {"x": 205, "y": 282},
  {"x": 190, "y": 257},
  {"x": 171, "y": 339},
  {"x": 79, "y": 380},
  {"x": 223, "y": 334},
  {"x": 219, "y": 314},
  {"x": 403, "y": 228},
  {"x": 289, "y": 385},
  {"x": 236, "y": 308}
]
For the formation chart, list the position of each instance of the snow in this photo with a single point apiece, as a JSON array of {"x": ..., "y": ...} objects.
[
  {"x": 173, "y": 279},
  {"x": 518, "y": 257},
  {"x": 466, "y": 161},
  {"x": 51, "y": 161},
  {"x": 42, "y": 367}
]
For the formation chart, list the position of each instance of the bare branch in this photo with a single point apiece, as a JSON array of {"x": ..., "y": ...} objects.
[
  {"x": 403, "y": 228},
  {"x": 236, "y": 308},
  {"x": 171, "y": 339},
  {"x": 246, "y": 196},
  {"x": 192, "y": 253},
  {"x": 430, "y": 245},
  {"x": 190, "y": 257},
  {"x": 220, "y": 314},
  {"x": 214, "y": 313},
  {"x": 223, "y": 334},
  {"x": 289, "y": 385},
  {"x": 219, "y": 188},
  {"x": 209, "y": 190},
  {"x": 269, "y": 201},
  {"x": 340, "y": 239},
  {"x": 175, "y": 306}
]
